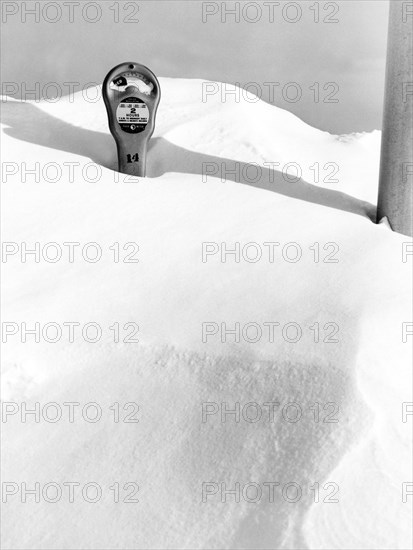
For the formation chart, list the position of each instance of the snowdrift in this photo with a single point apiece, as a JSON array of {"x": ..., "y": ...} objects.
[{"x": 218, "y": 173}]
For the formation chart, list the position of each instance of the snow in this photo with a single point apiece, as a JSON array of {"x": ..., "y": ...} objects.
[{"x": 170, "y": 453}]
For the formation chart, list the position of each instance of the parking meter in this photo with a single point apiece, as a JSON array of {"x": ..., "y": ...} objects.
[{"x": 131, "y": 93}]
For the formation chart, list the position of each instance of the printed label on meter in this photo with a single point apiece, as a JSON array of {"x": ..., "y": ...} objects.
[{"x": 133, "y": 115}]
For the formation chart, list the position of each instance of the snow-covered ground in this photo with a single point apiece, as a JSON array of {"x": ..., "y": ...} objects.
[{"x": 360, "y": 287}]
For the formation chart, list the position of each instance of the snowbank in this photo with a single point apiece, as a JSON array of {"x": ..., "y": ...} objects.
[{"x": 212, "y": 178}]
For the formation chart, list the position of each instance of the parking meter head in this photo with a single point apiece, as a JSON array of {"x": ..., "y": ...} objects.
[{"x": 131, "y": 93}]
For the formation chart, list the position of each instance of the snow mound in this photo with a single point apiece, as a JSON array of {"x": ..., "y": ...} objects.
[{"x": 314, "y": 195}]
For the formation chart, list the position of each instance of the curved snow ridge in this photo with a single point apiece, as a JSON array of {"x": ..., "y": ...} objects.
[
  {"x": 174, "y": 450},
  {"x": 189, "y": 99},
  {"x": 193, "y": 143},
  {"x": 224, "y": 132}
]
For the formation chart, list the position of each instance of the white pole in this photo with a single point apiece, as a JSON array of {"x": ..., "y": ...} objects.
[{"x": 396, "y": 164}]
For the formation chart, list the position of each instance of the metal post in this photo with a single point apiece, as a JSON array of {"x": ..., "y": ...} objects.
[{"x": 396, "y": 164}]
